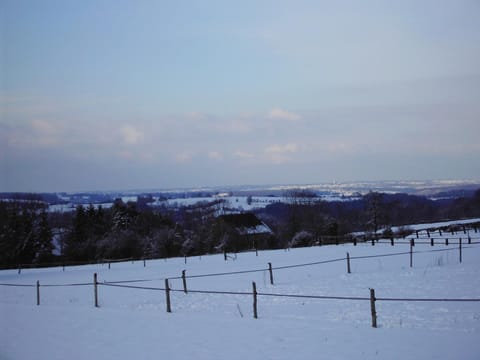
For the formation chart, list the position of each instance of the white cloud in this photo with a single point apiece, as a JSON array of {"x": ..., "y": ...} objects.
[
  {"x": 236, "y": 127},
  {"x": 131, "y": 135},
  {"x": 35, "y": 133},
  {"x": 45, "y": 133},
  {"x": 339, "y": 148},
  {"x": 43, "y": 126},
  {"x": 196, "y": 116},
  {"x": 243, "y": 154},
  {"x": 279, "y": 154},
  {"x": 125, "y": 155},
  {"x": 183, "y": 157},
  {"x": 279, "y": 114},
  {"x": 215, "y": 155},
  {"x": 282, "y": 149}
]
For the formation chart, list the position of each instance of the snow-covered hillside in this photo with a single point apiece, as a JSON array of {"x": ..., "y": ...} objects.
[
  {"x": 132, "y": 323},
  {"x": 250, "y": 197}
]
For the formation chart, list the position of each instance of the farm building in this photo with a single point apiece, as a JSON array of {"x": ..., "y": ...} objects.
[{"x": 245, "y": 231}]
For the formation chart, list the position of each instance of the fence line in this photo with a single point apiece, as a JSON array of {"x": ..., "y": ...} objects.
[
  {"x": 184, "y": 276},
  {"x": 220, "y": 274},
  {"x": 48, "y": 285},
  {"x": 270, "y": 268},
  {"x": 346, "y": 239},
  {"x": 430, "y": 299},
  {"x": 309, "y": 264},
  {"x": 254, "y": 293},
  {"x": 373, "y": 299},
  {"x": 63, "y": 285},
  {"x": 220, "y": 292},
  {"x": 301, "y": 296}
]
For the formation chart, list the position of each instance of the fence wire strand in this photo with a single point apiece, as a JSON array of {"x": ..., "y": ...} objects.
[
  {"x": 428, "y": 299},
  {"x": 466, "y": 246},
  {"x": 298, "y": 296},
  {"x": 17, "y": 285}
]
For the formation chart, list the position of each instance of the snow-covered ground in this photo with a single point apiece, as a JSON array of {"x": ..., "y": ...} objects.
[
  {"x": 439, "y": 224},
  {"x": 133, "y": 323},
  {"x": 236, "y": 202},
  {"x": 240, "y": 203}
]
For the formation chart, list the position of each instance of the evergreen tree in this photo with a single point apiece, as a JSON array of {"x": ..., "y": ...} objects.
[
  {"x": 25, "y": 236},
  {"x": 375, "y": 210},
  {"x": 8, "y": 235},
  {"x": 43, "y": 244},
  {"x": 75, "y": 248}
]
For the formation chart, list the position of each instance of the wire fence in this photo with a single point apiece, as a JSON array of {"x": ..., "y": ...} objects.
[
  {"x": 272, "y": 268},
  {"x": 254, "y": 294},
  {"x": 421, "y": 237},
  {"x": 417, "y": 235},
  {"x": 128, "y": 284}
]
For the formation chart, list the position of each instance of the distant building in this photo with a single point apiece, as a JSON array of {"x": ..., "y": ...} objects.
[{"x": 244, "y": 232}]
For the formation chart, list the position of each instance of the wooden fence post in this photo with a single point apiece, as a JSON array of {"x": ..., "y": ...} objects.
[
  {"x": 184, "y": 279},
  {"x": 95, "y": 289},
  {"x": 432, "y": 241},
  {"x": 411, "y": 252},
  {"x": 392, "y": 241},
  {"x": 372, "y": 308},
  {"x": 446, "y": 241},
  {"x": 348, "y": 263},
  {"x": 460, "y": 248},
  {"x": 167, "y": 294},
  {"x": 38, "y": 292},
  {"x": 144, "y": 262},
  {"x": 271, "y": 273},
  {"x": 254, "y": 290}
]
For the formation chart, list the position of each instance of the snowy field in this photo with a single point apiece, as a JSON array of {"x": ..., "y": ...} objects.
[
  {"x": 239, "y": 203},
  {"x": 132, "y": 323}
]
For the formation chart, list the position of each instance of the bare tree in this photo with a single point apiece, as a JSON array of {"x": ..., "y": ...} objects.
[{"x": 374, "y": 209}]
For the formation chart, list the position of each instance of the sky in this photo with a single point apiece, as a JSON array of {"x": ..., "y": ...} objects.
[{"x": 114, "y": 94}]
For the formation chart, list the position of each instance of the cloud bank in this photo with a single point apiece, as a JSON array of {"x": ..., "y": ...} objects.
[{"x": 160, "y": 95}]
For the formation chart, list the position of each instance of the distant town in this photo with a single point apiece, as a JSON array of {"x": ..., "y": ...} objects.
[{"x": 249, "y": 197}]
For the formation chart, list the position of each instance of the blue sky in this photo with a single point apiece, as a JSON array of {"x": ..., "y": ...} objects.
[{"x": 98, "y": 95}]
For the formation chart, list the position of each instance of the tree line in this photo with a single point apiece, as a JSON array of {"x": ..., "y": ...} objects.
[
  {"x": 29, "y": 234},
  {"x": 25, "y": 232},
  {"x": 304, "y": 218}
]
